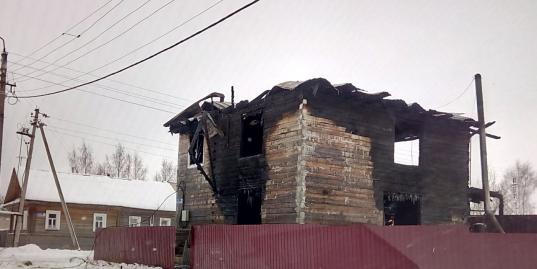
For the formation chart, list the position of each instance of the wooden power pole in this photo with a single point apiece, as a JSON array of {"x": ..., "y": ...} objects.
[
  {"x": 3, "y": 83},
  {"x": 70, "y": 226},
  {"x": 483, "y": 153},
  {"x": 18, "y": 222}
]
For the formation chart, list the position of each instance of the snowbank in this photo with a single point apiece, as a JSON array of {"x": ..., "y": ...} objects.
[{"x": 31, "y": 256}]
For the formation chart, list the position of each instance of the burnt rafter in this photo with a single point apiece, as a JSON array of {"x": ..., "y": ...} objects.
[{"x": 203, "y": 127}]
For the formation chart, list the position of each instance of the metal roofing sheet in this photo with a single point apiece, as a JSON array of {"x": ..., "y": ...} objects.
[{"x": 358, "y": 246}]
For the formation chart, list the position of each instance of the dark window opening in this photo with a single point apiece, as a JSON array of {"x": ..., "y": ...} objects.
[
  {"x": 249, "y": 207},
  {"x": 401, "y": 209},
  {"x": 252, "y": 135},
  {"x": 197, "y": 157}
]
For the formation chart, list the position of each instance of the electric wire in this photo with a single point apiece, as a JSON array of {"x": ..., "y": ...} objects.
[
  {"x": 112, "y": 89},
  {"x": 458, "y": 96},
  {"x": 110, "y": 40},
  {"x": 147, "y": 43},
  {"x": 103, "y": 95},
  {"x": 108, "y": 144},
  {"x": 95, "y": 37},
  {"x": 148, "y": 57},
  {"x": 71, "y": 28},
  {"x": 109, "y": 131},
  {"x": 111, "y": 80},
  {"x": 109, "y": 138}
]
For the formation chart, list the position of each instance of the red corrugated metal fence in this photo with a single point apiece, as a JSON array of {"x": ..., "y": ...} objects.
[
  {"x": 143, "y": 245},
  {"x": 358, "y": 246}
]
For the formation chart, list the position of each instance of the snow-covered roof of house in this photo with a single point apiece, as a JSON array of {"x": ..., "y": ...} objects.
[{"x": 100, "y": 190}]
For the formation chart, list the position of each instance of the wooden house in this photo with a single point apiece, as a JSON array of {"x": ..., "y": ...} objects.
[
  {"x": 313, "y": 152},
  {"x": 94, "y": 202}
]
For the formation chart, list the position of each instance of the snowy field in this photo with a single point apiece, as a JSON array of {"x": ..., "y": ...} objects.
[{"x": 31, "y": 256}]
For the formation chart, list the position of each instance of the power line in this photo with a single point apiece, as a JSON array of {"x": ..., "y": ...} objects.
[
  {"x": 72, "y": 27},
  {"x": 108, "y": 88},
  {"x": 109, "y": 138},
  {"x": 458, "y": 96},
  {"x": 112, "y": 145},
  {"x": 99, "y": 94},
  {"x": 97, "y": 36},
  {"x": 69, "y": 29},
  {"x": 109, "y": 41},
  {"x": 157, "y": 38},
  {"x": 89, "y": 74},
  {"x": 110, "y": 131},
  {"x": 149, "y": 57}
]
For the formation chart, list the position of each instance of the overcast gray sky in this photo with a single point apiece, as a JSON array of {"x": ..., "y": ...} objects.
[{"x": 420, "y": 51}]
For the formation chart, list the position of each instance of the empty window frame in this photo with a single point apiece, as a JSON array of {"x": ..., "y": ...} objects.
[
  {"x": 252, "y": 135},
  {"x": 165, "y": 222},
  {"x": 407, "y": 152},
  {"x": 99, "y": 221},
  {"x": 52, "y": 220},
  {"x": 135, "y": 221},
  {"x": 197, "y": 157}
]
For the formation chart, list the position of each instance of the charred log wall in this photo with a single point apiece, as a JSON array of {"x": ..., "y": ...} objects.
[{"x": 326, "y": 158}]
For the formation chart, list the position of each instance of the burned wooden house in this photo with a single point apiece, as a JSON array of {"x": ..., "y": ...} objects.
[{"x": 313, "y": 152}]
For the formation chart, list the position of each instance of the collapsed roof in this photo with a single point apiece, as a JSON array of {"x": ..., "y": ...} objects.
[{"x": 406, "y": 115}]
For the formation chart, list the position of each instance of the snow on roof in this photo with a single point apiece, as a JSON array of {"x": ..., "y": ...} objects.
[{"x": 101, "y": 190}]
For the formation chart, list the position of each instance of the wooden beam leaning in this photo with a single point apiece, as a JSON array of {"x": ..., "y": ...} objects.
[{"x": 60, "y": 193}]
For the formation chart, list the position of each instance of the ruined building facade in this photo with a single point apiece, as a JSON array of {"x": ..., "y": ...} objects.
[{"x": 313, "y": 152}]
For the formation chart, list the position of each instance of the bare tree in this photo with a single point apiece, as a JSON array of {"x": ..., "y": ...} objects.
[
  {"x": 73, "y": 161},
  {"x": 127, "y": 167},
  {"x": 167, "y": 173},
  {"x": 138, "y": 169},
  {"x": 104, "y": 168},
  {"x": 81, "y": 159},
  {"x": 85, "y": 158},
  {"x": 118, "y": 160},
  {"x": 519, "y": 183}
]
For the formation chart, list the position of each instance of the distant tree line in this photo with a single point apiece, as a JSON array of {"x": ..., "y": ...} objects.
[{"x": 119, "y": 164}]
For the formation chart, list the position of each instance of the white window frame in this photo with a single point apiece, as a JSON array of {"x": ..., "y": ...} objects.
[
  {"x": 169, "y": 220},
  {"x": 58, "y": 220},
  {"x": 136, "y": 223},
  {"x": 152, "y": 221},
  {"x": 95, "y": 215}
]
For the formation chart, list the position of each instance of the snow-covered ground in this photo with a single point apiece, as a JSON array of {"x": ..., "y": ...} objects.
[{"x": 31, "y": 256}]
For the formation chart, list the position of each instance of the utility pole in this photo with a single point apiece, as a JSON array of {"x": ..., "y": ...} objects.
[
  {"x": 18, "y": 222},
  {"x": 483, "y": 152},
  {"x": 62, "y": 199},
  {"x": 3, "y": 82}
]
